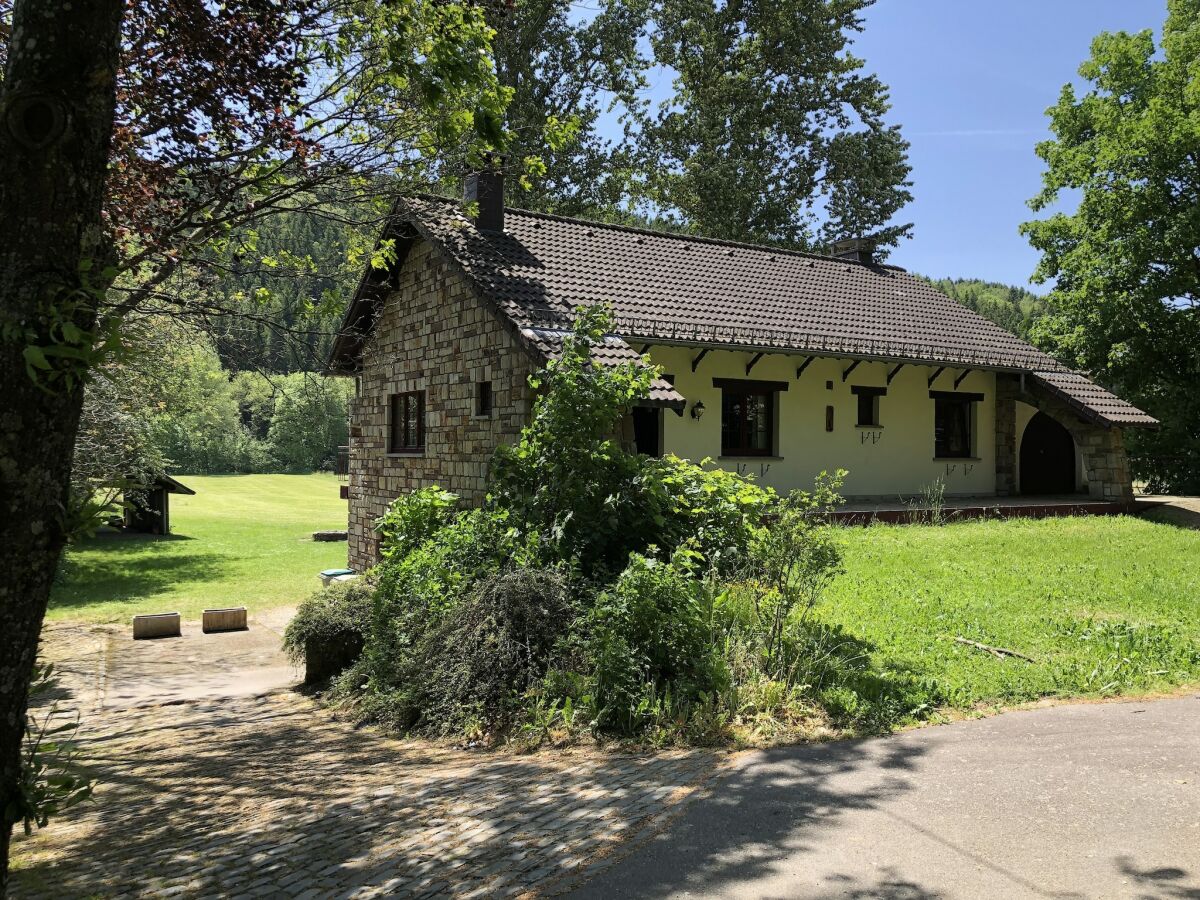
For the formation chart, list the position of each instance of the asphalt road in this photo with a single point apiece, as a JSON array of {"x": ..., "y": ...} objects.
[{"x": 1090, "y": 800}]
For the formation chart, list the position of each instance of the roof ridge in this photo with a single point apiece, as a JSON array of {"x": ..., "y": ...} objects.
[{"x": 694, "y": 238}]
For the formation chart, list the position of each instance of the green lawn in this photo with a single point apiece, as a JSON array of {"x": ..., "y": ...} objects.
[
  {"x": 1104, "y": 605},
  {"x": 242, "y": 540}
]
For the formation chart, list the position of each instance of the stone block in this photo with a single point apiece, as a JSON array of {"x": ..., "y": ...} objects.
[
  {"x": 156, "y": 625},
  {"x": 232, "y": 618}
]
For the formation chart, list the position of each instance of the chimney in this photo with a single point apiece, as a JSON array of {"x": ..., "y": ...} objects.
[
  {"x": 486, "y": 188},
  {"x": 859, "y": 250}
]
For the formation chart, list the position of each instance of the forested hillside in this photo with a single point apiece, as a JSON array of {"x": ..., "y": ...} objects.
[{"x": 1011, "y": 307}]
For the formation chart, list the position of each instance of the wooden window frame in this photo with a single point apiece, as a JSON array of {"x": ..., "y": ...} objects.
[
  {"x": 750, "y": 388},
  {"x": 401, "y": 440},
  {"x": 868, "y": 396},
  {"x": 963, "y": 400}
]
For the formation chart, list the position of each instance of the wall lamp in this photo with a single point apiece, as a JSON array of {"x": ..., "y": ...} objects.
[{"x": 697, "y": 409}]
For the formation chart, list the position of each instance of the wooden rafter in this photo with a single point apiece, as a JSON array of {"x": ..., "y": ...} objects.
[
  {"x": 934, "y": 376},
  {"x": 754, "y": 362},
  {"x": 959, "y": 379},
  {"x": 804, "y": 365},
  {"x": 854, "y": 365},
  {"x": 892, "y": 374},
  {"x": 696, "y": 362}
]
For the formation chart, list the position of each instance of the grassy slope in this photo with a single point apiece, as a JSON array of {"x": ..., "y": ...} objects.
[
  {"x": 1104, "y": 605},
  {"x": 242, "y": 540}
]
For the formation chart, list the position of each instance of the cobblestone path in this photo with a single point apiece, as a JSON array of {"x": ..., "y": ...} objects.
[{"x": 250, "y": 796}]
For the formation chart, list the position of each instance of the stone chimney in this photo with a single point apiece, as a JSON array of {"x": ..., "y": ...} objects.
[
  {"x": 486, "y": 188},
  {"x": 859, "y": 250}
]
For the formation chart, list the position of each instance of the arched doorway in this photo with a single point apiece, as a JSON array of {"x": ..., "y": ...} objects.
[{"x": 1047, "y": 457}]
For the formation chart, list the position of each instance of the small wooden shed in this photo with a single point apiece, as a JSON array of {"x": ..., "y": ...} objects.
[{"x": 150, "y": 513}]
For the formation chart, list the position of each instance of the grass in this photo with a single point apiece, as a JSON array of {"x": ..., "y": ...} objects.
[
  {"x": 242, "y": 540},
  {"x": 1104, "y": 605}
]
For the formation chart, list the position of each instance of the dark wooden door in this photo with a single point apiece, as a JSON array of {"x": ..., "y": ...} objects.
[
  {"x": 1047, "y": 458},
  {"x": 647, "y": 430}
]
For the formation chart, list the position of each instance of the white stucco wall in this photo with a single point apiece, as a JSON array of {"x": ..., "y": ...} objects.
[{"x": 895, "y": 459}]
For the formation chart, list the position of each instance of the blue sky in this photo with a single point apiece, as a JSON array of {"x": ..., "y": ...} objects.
[{"x": 970, "y": 82}]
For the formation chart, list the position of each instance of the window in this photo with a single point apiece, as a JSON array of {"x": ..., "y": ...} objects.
[
  {"x": 483, "y": 398},
  {"x": 406, "y": 422},
  {"x": 748, "y": 416},
  {"x": 952, "y": 424},
  {"x": 868, "y": 405}
]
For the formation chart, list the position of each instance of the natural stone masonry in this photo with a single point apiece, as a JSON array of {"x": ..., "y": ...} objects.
[
  {"x": 435, "y": 335},
  {"x": 1105, "y": 462},
  {"x": 271, "y": 796}
]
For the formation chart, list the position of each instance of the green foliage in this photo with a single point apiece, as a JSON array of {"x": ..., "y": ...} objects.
[
  {"x": 567, "y": 479},
  {"x": 412, "y": 519},
  {"x": 1013, "y": 308},
  {"x": 717, "y": 512},
  {"x": 774, "y": 133},
  {"x": 650, "y": 633},
  {"x": 478, "y": 661},
  {"x": 344, "y": 606},
  {"x": 49, "y": 782},
  {"x": 309, "y": 422},
  {"x": 791, "y": 564},
  {"x": 1127, "y": 286}
]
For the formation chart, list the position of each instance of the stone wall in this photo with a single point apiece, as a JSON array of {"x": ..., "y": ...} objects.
[
  {"x": 1105, "y": 463},
  {"x": 434, "y": 335}
]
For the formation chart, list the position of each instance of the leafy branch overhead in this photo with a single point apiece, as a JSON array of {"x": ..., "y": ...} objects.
[{"x": 1125, "y": 261}]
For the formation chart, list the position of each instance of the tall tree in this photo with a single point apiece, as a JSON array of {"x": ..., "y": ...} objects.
[
  {"x": 774, "y": 133},
  {"x": 566, "y": 70},
  {"x": 1126, "y": 261},
  {"x": 206, "y": 118},
  {"x": 57, "y": 101}
]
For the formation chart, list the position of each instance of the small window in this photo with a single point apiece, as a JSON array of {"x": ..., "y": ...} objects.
[
  {"x": 406, "y": 422},
  {"x": 868, "y": 405},
  {"x": 483, "y": 398},
  {"x": 952, "y": 423}
]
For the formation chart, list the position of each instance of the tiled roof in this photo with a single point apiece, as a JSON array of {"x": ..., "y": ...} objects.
[
  {"x": 666, "y": 288},
  {"x": 611, "y": 352},
  {"x": 696, "y": 290},
  {"x": 1092, "y": 400}
]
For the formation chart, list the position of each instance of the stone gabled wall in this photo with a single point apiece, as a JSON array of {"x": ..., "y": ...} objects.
[
  {"x": 1105, "y": 462},
  {"x": 433, "y": 334}
]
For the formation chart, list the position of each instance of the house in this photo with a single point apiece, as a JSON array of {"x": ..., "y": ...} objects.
[
  {"x": 149, "y": 511},
  {"x": 775, "y": 363}
]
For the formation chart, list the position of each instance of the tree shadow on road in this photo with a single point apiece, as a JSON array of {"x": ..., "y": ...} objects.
[{"x": 271, "y": 793}]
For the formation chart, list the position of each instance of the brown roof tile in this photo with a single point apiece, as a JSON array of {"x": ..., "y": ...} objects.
[
  {"x": 1093, "y": 401},
  {"x": 667, "y": 288}
]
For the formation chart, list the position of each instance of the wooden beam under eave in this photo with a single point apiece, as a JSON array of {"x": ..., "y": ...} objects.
[
  {"x": 754, "y": 362},
  {"x": 959, "y": 379},
  {"x": 892, "y": 374},
  {"x": 854, "y": 365},
  {"x": 804, "y": 365},
  {"x": 934, "y": 376},
  {"x": 645, "y": 347},
  {"x": 696, "y": 362}
]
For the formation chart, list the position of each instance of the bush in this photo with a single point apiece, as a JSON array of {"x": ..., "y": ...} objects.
[
  {"x": 329, "y": 614},
  {"x": 412, "y": 519},
  {"x": 478, "y": 661},
  {"x": 651, "y": 633}
]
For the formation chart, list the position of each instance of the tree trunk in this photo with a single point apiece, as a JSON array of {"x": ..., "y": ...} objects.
[{"x": 56, "y": 121}]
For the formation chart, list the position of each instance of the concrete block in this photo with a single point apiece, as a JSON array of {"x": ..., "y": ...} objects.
[
  {"x": 329, "y": 535},
  {"x": 156, "y": 625},
  {"x": 230, "y": 619}
]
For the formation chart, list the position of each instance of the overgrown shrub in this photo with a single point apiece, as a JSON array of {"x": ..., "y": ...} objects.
[
  {"x": 600, "y": 590},
  {"x": 479, "y": 660},
  {"x": 412, "y": 519},
  {"x": 651, "y": 632},
  {"x": 339, "y": 608}
]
